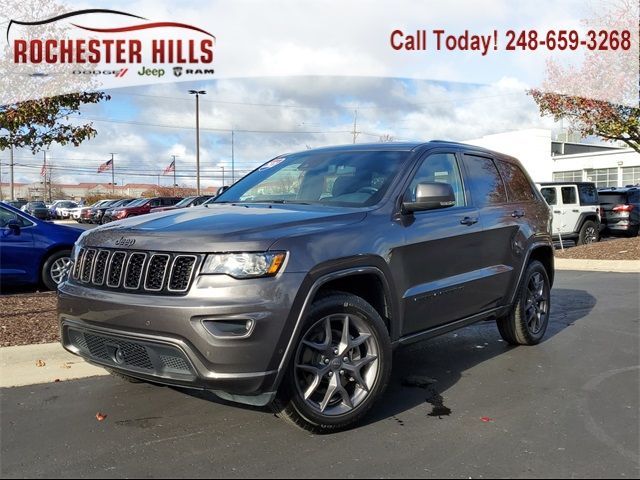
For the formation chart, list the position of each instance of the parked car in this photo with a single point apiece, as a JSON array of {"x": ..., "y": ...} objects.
[
  {"x": 108, "y": 214},
  {"x": 16, "y": 203},
  {"x": 294, "y": 297},
  {"x": 102, "y": 204},
  {"x": 620, "y": 209},
  {"x": 185, "y": 203},
  {"x": 576, "y": 210},
  {"x": 82, "y": 214},
  {"x": 37, "y": 209},
  {"x": 33, "y": 251},
  {"x": 62, "y": 209},
  {"x": 97, "y": 213},
  {"x": 143, "y": 206}
]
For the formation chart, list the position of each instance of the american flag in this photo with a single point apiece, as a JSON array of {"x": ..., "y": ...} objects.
[
  {"x": 43, "y": 170},
  {"x": 170, "y": 168},
  {"x": 105, "y": 166}
]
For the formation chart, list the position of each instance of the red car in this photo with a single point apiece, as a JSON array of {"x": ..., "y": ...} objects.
[
  {"x": 184, "y": 203},
  {"x": 143, "y": 206}
]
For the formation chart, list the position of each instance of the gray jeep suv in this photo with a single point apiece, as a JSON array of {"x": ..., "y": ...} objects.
[{"x": 294, "y": 286}]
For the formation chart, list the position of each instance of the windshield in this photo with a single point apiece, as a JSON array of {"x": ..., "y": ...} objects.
[
  {"x": 615, "y": 198},
  {"x": 351, "y": 179},
  {"x": 137, "y": 202},
  {"x": 185, "y": 202}
]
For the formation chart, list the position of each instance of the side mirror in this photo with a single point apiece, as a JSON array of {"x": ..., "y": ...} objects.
[
  {"x": 14, "y": 227},
  {"x": 431, "y": 196},
  {"x": 221, "y": 190}
]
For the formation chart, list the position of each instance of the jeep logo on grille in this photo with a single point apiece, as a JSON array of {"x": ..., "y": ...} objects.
[{"x": 125, "y": 242}]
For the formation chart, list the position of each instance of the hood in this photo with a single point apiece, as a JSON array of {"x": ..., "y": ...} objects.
[{"x": 220, "y": 227}]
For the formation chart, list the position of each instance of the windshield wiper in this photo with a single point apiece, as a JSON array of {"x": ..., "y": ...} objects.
[{"x": 280, "y": 202}]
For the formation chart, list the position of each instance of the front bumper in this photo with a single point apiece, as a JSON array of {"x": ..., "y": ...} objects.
[{"x": 164, "y": 339}]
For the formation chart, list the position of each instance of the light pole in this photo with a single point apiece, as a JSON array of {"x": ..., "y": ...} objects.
[{"x": 197, "y": 93}]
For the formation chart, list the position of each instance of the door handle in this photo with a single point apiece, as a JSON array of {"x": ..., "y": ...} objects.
[
  {"x": 575, "y": 211},
  {"x": 518, "y": 214},
  {"x": 469, "y": 221},
  {"x": 557, "y": 211}
]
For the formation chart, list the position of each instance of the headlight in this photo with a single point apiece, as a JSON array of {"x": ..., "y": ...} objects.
[{"x": 244, "y": 265}]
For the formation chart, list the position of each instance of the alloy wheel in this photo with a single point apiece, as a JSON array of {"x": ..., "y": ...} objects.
[
  {"x": 59, "y": 268},
  {"x": 591, "y": 235},
  {"x": 337, "y": 364},
  {"x": 537, "y": 303}
]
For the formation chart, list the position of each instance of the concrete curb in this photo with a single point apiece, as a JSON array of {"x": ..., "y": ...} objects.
[
  {"x": 617, "y": 266},
  {"x": 19, "y": 365}
]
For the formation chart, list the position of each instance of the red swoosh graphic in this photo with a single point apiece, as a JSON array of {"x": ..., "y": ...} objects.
[{"x": 144, "y": 27}]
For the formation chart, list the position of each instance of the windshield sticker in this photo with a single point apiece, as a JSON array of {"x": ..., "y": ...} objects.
[{"x": 272, "y": 163}]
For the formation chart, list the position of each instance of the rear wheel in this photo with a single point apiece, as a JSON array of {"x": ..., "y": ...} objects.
[
  {"x": 589, "y": 233},
  {"x": 55, "y": 268},
  {"x": 340, "y": 367},
  {"x": 633, "y": 231},
  {"x": 528, "y": 320}
]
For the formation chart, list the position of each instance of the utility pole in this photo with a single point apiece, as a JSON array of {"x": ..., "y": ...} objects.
[
  {"x": 197, "y": 93},
  {"x": 113, "y": 175},
  {"x": 233, "y": 161},
  {"x": 12, "y": 189},
  {"x": 355, "y": 123}
]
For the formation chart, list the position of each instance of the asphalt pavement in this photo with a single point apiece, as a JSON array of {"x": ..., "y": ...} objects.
[{"x": 568, "y": 407}]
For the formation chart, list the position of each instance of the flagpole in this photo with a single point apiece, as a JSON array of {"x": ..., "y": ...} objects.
[
  {"x": 113, "y": 175},
  {"x": 174, "y": 175}
]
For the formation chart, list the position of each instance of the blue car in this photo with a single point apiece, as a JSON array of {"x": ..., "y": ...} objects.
[{"x": 33, "y": 251}]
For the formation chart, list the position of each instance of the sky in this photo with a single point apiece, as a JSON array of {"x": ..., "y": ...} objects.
[
  {"x": 145, "y": 126},
  {"x": 291, "y": 75}
]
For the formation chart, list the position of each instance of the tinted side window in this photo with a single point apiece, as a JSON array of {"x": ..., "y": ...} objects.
[
  {"x": 7, "y": 215},
  {"x": 518, "y": 186},
  {"x": 154, "y": 203},
  {"x": 550, "y": 195},
  {"x": 439, "y": 167},
  {"x": 588, "y": 194},
  {"x": 486, "y": 184},
  {"x": 569, "y": 196}
]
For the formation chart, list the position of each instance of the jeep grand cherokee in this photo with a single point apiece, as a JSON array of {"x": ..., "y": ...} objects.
[{"x": 294, "y": 286}]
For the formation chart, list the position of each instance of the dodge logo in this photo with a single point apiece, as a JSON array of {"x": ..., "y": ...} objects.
[{"x": 177, "y": 71}]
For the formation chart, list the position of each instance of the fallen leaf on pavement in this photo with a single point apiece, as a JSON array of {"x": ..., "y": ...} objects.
[
  {"x": 40, "y": 363},
  {"x": 66, "y": 365},
  {"x": 486, "y": 419},
  {"x": 100, "y": 416}
]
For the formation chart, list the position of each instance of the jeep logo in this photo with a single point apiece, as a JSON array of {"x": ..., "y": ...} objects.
[{"x": 125, "y": 242}]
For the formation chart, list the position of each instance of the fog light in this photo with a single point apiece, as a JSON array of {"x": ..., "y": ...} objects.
[{"x": 238, "y": 328}]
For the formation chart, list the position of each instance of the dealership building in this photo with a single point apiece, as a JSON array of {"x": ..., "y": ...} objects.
[{"x": 556, "y": 159}]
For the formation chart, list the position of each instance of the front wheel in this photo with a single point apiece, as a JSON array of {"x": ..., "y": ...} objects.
[
  {"x": 528, "y": 320},
  {"x": 340, "y": 366},
  {"x": 55, "y": 268}
]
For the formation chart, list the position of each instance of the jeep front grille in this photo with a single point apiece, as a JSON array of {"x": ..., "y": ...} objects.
[{"x": 135, "y": 272}]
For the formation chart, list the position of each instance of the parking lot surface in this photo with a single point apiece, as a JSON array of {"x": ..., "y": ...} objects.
[{"x": 463, "y": 405}]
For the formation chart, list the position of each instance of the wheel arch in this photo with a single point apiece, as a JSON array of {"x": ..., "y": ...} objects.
[{"x": 330, "y": 277}]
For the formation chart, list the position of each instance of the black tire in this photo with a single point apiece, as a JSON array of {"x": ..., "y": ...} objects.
[
  {"x": 49, "y": 274},
  {"x": 633, "y": 231},
  {"x": 519, "y": 327},
  {"x": 124, "y": 377},
  {"x": 290, "y": 403},
  {"x": 589, "y": 233}
]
